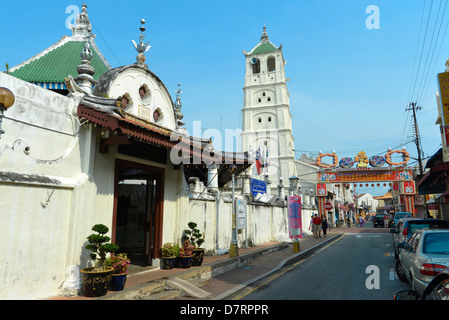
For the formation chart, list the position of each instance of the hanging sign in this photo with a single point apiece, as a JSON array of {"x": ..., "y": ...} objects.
[
  {"x": 294, "y": 217},
  {"x": 443, "y": 82},
  {"x": 321, "y": 189},
  {"x": 408, "y": 187},
  {"x": 258, "y": 186}
]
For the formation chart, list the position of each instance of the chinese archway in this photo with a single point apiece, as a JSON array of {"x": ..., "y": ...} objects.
[{"x": 377, "y": 169}]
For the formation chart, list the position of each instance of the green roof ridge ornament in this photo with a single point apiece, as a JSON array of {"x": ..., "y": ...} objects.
[{"x": 142, "y": 47}]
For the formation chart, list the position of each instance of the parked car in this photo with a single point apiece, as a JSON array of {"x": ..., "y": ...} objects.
[
  {"x": 400, "y": 215},
  {"x": 378, "y": 220},
  {"x": 423, "y": 256},
  {"x": 407, "y": 226},
  {"x": 438, "y": 289}
]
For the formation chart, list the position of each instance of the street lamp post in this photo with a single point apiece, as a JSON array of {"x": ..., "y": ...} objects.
[
  {"x": 233, "y": 251},
  {"x": 6, "y": 101},
  {"x": 293, "y": 184}
]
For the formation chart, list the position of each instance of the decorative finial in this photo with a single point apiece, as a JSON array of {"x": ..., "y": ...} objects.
[
  {"x": 86, "y": 54},
  {"x": 83, "y": 27},
  {"x": 85, "y": 80},
  {"x": 142, "y": 47},
  {"x": 264, "y": 37},
  {"x": 178, "y": 105}
]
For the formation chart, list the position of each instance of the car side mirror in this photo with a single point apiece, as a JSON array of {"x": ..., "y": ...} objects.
[
  {"x": 406, "y": 295},
  {"x": 393, "y": 230}
]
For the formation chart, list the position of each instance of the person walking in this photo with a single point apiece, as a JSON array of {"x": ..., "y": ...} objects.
[
  {"x": 316, "y": 226},
  {"x": 324, "y": 225},
  {"x": 361, "y": 220}
]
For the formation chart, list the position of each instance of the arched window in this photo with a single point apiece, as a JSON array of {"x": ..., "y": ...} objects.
[
  {"x": 271, "y": 64},
  {"x": 255, "y": 63}
]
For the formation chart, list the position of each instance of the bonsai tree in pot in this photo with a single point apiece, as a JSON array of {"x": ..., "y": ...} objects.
[
  {"x": 197, "y": 239},
  {"x": 120, "y": 264},
  {"x": 98, "y": 244},
  {"x": 169, "y": 255},
  {"x": 96, "y": 279}
]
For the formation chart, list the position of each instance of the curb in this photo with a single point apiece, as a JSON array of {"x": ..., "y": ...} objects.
[
  {"x": 286, "y": 262},
  {"x": 206, "y": 271}
]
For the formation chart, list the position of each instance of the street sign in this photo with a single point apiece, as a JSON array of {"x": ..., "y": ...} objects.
[
  {"x": 258, "y": 186},
  {"x": 241, "y": 214},
  {"x": 328, "y": 206}
]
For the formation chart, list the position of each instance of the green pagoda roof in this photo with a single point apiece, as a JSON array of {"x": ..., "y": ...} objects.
[
  {"x": 264, "y": 47},
  {"x": 55, "y": 65}
]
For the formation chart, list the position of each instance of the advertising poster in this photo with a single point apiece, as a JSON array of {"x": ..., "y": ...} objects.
[{"x": 294, "y": 217}]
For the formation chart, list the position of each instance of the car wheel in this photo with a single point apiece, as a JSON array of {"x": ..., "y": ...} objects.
[{"x": 400, "y": 273}]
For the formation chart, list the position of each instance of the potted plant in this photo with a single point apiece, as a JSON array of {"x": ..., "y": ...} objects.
[
  {"x": 185, "y": 254},
  {"x": 96, "y": 279},
  {"x": 120, "y": 264},
  {"x": 168, "y": 256},
  {"x": 197, "y": 239}
]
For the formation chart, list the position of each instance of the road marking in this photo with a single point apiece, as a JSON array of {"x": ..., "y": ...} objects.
[
  {"x": 393, "y": 275},
  {"x": 367, "y": 236}
]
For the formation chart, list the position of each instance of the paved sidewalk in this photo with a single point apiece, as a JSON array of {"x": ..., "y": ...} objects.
[{"x": 225, "y": 276}]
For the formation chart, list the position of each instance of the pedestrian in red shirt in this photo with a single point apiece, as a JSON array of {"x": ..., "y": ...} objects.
[{"x": 316, "y": 228}]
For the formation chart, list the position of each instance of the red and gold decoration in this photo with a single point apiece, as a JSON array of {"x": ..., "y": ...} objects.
[
  {"x": 321, "y": 156},
  {"x": 405, "y": 156},
  {"x": 363, "y": 160}
]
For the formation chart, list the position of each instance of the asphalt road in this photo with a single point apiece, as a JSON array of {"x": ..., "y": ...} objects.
[{"x": 358, "y": 266}]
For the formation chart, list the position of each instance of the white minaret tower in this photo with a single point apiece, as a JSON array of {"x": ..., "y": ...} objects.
[{"x": 267, "y": 121}]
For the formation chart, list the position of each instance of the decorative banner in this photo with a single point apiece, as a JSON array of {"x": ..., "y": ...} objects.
[
  {"x": 408, "y": 187},
  {"x": 366, "y": 175},
  {"x": 321, "y": 203},
  {"x": 294, "y": 217},
  {"x": 410, "y": 204},
  {"x": 321, "y": 189},
  {"x": 443, "y": 82}
]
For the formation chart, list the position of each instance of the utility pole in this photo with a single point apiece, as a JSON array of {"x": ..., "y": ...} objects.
[{"x": 414, "y": 107}]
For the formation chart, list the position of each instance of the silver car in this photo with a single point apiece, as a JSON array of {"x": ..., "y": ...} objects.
[{"x": 422, "y": 257}]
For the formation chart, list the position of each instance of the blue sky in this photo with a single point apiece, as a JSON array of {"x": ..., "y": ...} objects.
[{"x": 349, "y": 85}]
